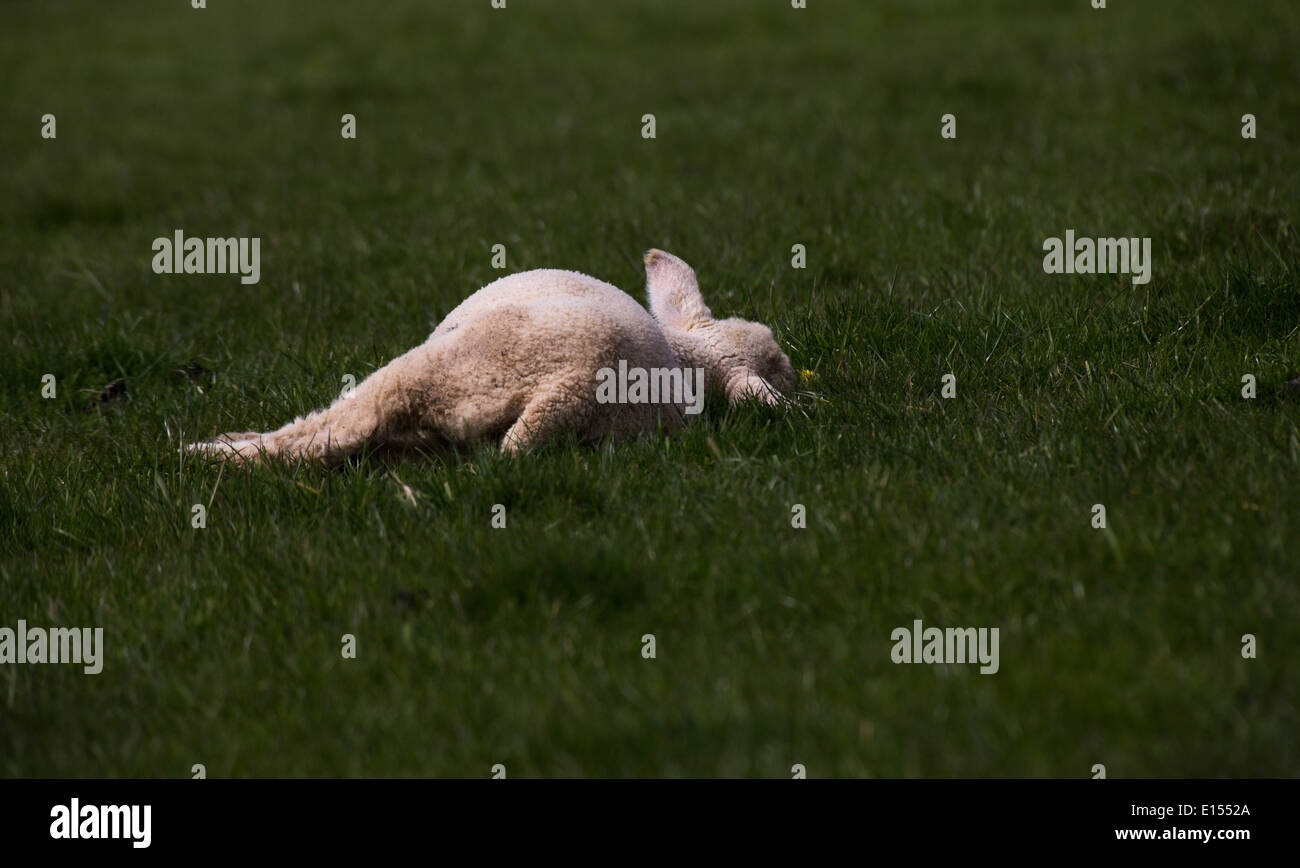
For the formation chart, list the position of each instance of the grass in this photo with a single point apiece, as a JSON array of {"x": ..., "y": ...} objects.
[{"x": 522, "y": 646}]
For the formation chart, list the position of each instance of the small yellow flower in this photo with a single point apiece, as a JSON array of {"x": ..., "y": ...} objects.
[{"x": 808, "y": 375}]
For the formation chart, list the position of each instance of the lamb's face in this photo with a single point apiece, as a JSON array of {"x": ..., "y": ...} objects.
[
  {"x": 751, "y": 353},
  {"x": 741, "y": 355}
]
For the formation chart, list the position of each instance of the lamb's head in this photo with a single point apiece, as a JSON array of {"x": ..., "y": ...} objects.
[{"x": 740, "y": 356}]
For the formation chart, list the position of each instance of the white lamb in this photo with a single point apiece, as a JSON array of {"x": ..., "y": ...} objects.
[{"x": 520, "y": 359}]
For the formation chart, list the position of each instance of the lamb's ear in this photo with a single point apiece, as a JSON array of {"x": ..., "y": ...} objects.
[
  {"x": 743, "y": 383},
  {"x": 674, "y": 294}
]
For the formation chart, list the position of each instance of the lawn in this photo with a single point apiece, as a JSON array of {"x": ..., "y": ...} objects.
[{"x": 523, "y": 646}]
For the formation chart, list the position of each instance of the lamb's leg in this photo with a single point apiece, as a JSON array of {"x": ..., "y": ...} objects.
[
  {"x": 377, "y": 410},
  {"x": 235, "y": 445},
  {"x": 544, "y": 416},
  {"x": 241, "y": 435}
]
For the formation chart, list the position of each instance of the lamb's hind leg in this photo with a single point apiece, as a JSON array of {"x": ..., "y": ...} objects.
[
  {"x": 379, "y": 409},
  {"x": 544, "y": 417}
]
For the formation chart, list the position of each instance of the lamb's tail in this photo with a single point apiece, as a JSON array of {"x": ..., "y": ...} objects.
[{"x": 378, "y": 410}]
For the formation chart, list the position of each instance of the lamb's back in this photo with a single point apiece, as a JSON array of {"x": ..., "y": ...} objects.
[
  {"x": 539, "y": 335},
  {"x": 538, "y": 287}
]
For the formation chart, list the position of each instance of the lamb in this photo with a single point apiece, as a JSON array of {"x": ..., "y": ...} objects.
[{"x": 519, "y": 359}]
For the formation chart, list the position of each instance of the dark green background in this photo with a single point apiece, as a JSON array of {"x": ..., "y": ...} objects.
[{"x": 775, "y": 126}]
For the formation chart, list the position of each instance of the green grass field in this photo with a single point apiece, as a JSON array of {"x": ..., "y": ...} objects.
[{"x": 522, "y": 646}]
